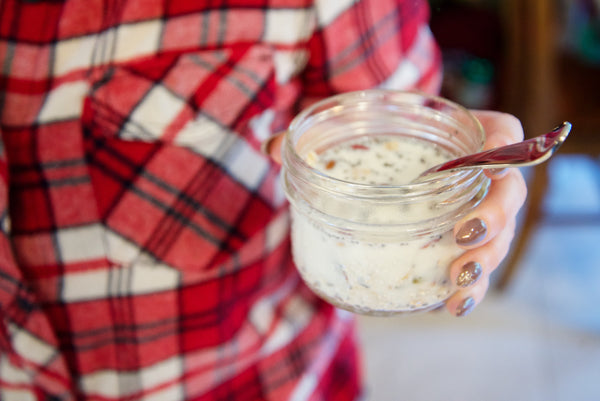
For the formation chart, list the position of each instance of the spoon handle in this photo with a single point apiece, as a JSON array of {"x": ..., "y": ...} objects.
[{"x": 526, "y": 153}]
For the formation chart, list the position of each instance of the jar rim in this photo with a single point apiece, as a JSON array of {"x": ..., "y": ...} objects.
[{"x": 356, "y": 189}]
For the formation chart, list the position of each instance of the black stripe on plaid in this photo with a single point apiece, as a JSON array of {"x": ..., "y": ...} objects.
[
  {"x": 371, "y": 36},
  {"x": 48, "y": 167},
  {"x": 127, "y": 185}
]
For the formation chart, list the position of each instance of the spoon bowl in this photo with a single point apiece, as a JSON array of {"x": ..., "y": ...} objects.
[{"x": 526, "y": 153}]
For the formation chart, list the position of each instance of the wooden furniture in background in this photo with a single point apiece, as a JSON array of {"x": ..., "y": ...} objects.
[
  {"x": 536, "y": 78},
  {"x": 545, "y": 85}
]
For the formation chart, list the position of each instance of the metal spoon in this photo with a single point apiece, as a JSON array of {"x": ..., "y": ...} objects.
[{"x": 526, "y": 153}]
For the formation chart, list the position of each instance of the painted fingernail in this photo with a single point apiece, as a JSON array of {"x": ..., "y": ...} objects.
[
  {"x": 471, "y": 233},
  {"x": 469, "y": 274},
  {"x": 465, "y": 307}
]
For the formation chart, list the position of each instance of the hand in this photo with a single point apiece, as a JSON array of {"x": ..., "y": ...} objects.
[{"x": 487, "y": 232}]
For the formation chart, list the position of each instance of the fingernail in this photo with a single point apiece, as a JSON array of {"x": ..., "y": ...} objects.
[
  {"x": 469, "y": 274},
  {"x": 498, "y": 171},
  {"x": 471, "y": 233},
  {"x": 265, "y": 146},
  {"x": 465, "y": 307}
]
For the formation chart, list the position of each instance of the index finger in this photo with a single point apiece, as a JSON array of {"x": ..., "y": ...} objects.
[{"x": 500, "y": 128}]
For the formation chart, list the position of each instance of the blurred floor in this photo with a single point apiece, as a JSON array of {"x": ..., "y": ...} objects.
[{"x": 539, "y": 340}]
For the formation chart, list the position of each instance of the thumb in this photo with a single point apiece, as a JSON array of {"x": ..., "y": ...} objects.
[{"x": 272, "y": 146}]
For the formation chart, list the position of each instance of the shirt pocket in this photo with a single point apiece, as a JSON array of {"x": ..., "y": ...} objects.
[{"x": 176, "y": 167}]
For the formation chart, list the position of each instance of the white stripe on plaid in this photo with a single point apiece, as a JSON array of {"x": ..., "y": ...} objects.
[
  {"x": 85, "y": 285},
  {"x": 11, "y": 373},
  {"x": 137, "y": 40},
  {"x": 215, "y": 142},
  {"x": 299, "y": 313},
  {"x": 410, "y": 70},
  {"x": 74, "y": 54},
  {"x": 113, "y": 384},
  {"x": 405, "y": 75},
  {"x": 277, "y": 231},
  {"x": 328, "y": 10},
  {"x": 122, "y": 43},
  {"x": 153, "y": 115},
  {"x": 82, "y": 243},
  {"x": 17, "y": 395},
  {"x": 239, "y": 158},
  {"x": 162, "y": 373},
  {"x": 37, "y": 351},
  {"x": 120, "y": 249},
  {"x": 172, "y": 392},
  {"x": 132, "y": 280},
  {"x": 288, "y": 26},
  {"x": 153, "y": 278},
  {"x": 64, "y": 102},
  {"x": 206, "y": 137},
  {"x": 261, "y": 124},
  {"x": 288, "y": 64}
]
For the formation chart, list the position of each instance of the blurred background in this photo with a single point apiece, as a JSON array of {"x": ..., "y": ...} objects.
[{"x": 536, "y": 336}]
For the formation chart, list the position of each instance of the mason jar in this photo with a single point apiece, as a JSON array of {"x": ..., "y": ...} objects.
[{"x": 379, "y": 248}]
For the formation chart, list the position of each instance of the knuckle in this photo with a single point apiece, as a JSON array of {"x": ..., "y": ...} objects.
[
  {"x": 501, "y": 248},
  {"x": 516, "y": 127},
  {"x": 517, "y": 187},
  {"x": 521, "y": 186}
]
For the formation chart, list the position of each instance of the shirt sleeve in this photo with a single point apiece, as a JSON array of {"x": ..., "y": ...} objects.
[
  {"x": 31, "y": 366},
  {"x": 371, "y": 44}
]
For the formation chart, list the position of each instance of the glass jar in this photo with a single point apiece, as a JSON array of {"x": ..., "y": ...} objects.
[{"x": 379, "y": 249}]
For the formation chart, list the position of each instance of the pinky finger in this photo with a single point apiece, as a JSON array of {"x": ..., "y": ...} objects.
[
  {"x": 488, "y": 257},
  {"x": 464, "y": 301}
]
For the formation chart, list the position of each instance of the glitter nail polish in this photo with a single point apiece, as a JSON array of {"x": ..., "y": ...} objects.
[{"x": 469, "y": 274}]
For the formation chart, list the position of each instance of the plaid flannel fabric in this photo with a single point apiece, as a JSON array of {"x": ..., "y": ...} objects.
[{"x": 144, "y": 249}]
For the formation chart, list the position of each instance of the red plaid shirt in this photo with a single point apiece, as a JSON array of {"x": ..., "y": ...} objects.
[{"x": 144, "y": 249}]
